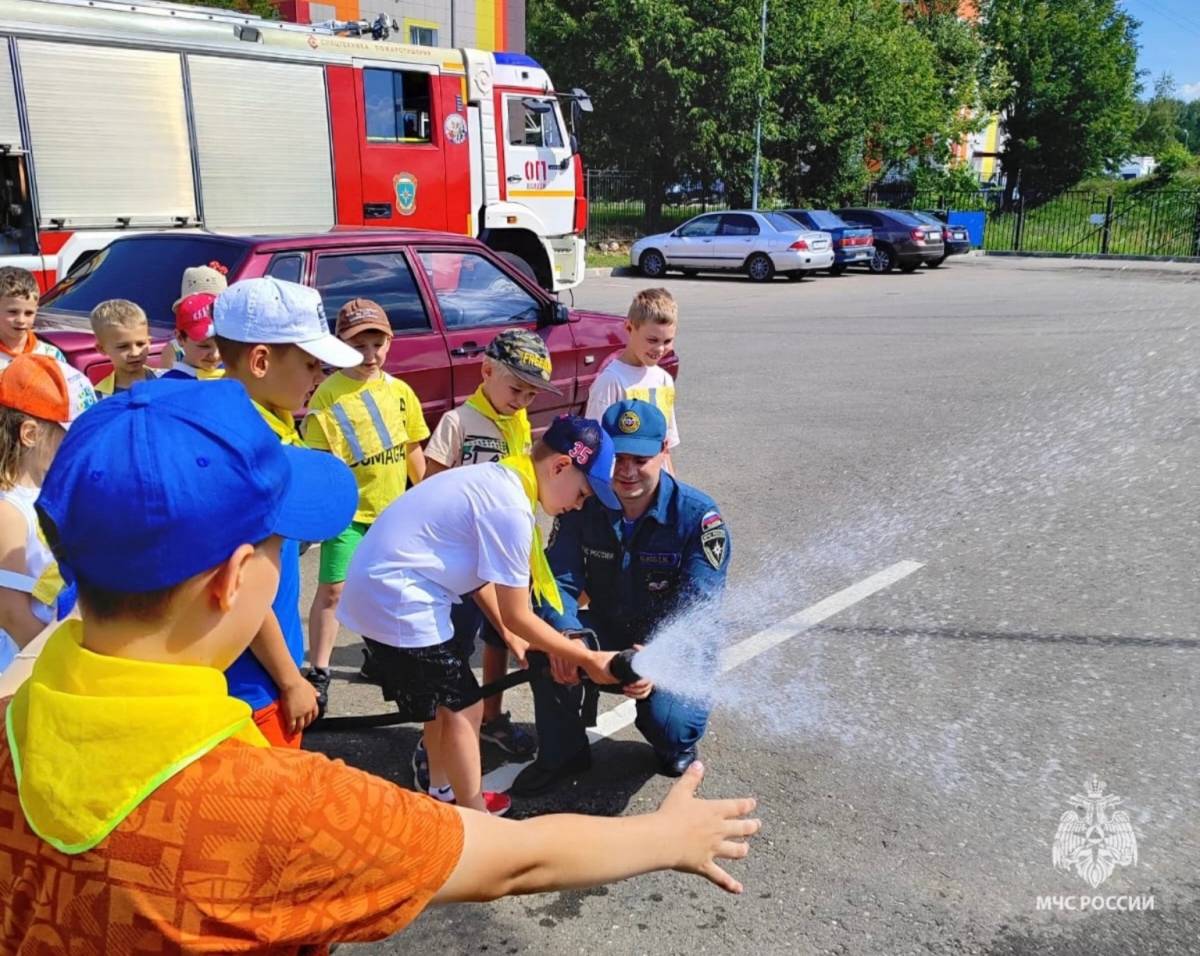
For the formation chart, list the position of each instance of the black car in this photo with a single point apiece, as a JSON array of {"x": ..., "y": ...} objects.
[
  {"x": 956, "y": 238},
  {"x": 852, "y": 245},
  {"x": 900, "y": 238}
]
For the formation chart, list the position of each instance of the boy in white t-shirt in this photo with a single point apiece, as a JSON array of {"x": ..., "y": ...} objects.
[
  {"x": 470, "y": 532},
  {"x": 635, "y": 373}
]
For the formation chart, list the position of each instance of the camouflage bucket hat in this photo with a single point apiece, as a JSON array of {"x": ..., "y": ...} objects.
[{"x": 525, "y": 355}]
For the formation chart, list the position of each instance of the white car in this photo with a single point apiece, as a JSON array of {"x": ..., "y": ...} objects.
[{"x": 759, "y": 244}]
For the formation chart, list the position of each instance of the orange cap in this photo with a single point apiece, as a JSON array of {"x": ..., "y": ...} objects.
[{"x": 37, "y": 385}]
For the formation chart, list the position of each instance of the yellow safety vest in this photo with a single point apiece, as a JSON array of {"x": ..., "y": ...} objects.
[{"x": 359, "y": 427}]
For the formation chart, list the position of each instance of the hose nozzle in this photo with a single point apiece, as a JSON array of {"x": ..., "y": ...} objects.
[{"x": 621, "y": 667}]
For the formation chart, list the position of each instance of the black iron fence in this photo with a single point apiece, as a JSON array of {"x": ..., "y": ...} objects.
[{"x": 1147, "y": 222}]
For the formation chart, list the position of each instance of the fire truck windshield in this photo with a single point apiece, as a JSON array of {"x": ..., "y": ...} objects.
[{"x": 144, "y": 269}]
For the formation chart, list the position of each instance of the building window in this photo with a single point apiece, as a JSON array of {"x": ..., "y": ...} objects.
[
  {"x": 398, "y": 106},
  {"x": 422, "y": 36}
]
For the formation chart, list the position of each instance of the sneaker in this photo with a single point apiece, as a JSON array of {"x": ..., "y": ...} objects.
[
  {"x": 420, "y": 766},
  {"x": 497, "y": 804},
  {"x": 369, "y": 670},
  {"x": 510, "y": 738},
  {"x": 320, "y": 677}
]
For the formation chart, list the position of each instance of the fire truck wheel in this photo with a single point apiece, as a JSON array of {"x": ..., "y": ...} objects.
[{"x": 519, "y": 264}]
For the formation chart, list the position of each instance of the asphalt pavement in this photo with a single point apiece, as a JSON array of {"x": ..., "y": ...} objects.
[{"x": 1014, "y": 446}]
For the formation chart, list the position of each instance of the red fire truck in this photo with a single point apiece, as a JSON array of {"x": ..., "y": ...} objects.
[{"x": 145, "y": 115}]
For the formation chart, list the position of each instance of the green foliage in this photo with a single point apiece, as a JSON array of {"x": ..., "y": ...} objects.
[
  {"x": 1189, "y": 126},
  {"x": 261, "y": 8},
  {"x": 674, "y": 82},
  {"x": 1173, "y": 159},
  {"x": 1159, "y": 119},
  {"x": 1064, "y": 73}
]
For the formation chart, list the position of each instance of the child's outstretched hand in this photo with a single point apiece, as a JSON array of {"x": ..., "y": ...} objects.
[{"x": 706, "y": 830}]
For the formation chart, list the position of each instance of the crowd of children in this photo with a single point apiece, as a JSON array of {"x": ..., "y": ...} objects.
[{"x": 171, "y": 518}]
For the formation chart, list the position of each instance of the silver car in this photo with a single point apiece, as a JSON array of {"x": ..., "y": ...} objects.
[{"x": 759, "y": 244}]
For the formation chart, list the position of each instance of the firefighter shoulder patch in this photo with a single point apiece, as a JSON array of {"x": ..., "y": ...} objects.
[{"x": 714, "y": 539}]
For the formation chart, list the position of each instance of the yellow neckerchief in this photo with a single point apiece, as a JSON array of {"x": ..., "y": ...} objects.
[
  {"x": 513, "y": 428},
  {"x": 282, "y": 424},
  {"x": 93, "y": 736},
  {"x": 545, "y": 588},
  {"x": 107, "y": 386}
]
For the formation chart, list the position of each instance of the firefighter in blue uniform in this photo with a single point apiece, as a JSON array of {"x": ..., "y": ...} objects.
[{"x": 665, "y": 551}]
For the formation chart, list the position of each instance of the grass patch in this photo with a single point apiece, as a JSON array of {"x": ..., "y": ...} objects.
[{"x": 606, "y": 260}]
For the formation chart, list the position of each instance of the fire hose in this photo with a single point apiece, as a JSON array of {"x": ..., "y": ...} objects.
[{"x": 621, "y": 667}]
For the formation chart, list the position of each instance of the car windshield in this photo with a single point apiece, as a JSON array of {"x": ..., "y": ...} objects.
[
  {"x": 926, "y": 218},
  {"x": 144, "y": 269},
  {"x": 782, "y": 222},
  {"x": 824, "y": 219}
]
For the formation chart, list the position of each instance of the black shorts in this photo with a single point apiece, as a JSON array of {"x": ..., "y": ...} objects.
[{"x": 421, "y": 679}]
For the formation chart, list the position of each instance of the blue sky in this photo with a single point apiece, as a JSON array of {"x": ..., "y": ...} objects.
[{"x": 1170, "y": 42}]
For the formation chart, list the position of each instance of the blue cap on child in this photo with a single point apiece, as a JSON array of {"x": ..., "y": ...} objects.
[
  {"x": 590, "y": 450},
  {"x": 157, "y": 484}
]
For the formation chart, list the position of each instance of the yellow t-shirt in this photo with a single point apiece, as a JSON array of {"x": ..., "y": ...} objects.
[{"x": 382, "y": 471}]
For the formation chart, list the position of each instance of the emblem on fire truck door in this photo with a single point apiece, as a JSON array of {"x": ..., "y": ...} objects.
[
  {"x": 406, "y": 193},
  {"x": 456, "y": 129}
]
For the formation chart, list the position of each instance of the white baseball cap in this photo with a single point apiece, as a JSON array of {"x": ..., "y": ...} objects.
[{"x": 276, "y": 312}]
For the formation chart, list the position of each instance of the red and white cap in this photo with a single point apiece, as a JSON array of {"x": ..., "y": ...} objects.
[{"x": 194, "y": 316}]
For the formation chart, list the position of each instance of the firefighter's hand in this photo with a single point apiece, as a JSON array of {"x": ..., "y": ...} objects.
[
  {"x": 299, "y": 704},
  {"x": 639, "y": 689}
]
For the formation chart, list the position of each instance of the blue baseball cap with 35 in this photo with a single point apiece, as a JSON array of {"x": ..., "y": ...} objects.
[
  {"x": 590, "y": 450},
  {"x": 636, "y": 427},
  {"x": 166, "y": 480}
]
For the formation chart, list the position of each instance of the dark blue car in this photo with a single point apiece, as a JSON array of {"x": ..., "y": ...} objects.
[{"x": 852, "y": 245}]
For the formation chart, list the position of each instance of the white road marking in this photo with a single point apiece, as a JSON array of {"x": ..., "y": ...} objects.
[{"x": 618, "y": 718}]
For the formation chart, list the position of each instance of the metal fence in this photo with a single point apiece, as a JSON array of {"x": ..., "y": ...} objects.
[{"x": 1146, "y": 222}]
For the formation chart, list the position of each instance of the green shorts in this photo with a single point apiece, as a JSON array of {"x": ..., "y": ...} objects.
[{"x": 337, "y": 552}]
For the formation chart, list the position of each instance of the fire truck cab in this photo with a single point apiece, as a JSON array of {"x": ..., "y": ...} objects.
[{"x": 147, "y": 115}]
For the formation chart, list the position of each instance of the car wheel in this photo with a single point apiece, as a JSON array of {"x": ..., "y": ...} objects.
[
  {"x": 652, "y": 264},
  {"x": 883, "y": 261},
  {"x": 934, "y": 263},
  {"x": 837, "y": 270},
  {"x": 760, "y": 268},
  {"x": 797, "y": 276},
  {"x": 909, "y": 267}
]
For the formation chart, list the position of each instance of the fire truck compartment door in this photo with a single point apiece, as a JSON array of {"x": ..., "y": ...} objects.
[
  {"x": 10, "y": 124},
  {"x": 262, "y": 135},
  {"x": 538, "y": 173},
  {"x": 108, "y": 135}
]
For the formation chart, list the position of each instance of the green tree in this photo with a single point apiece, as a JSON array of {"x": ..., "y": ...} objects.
[
  {"x": 856, "y": 87},
  {"x": 1160, "y": 119},
  {"x": 1189, "y": 126},
  {"x": 674, "y": 82},
  {"x": 1065, "y": 77},
  {"x": 262, "y": 8}
]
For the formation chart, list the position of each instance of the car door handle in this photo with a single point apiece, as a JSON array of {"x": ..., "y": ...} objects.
[
  {"x": 514, "y": 179},
  {"x": 468, "y": 349},
  {"x": 706, "y": 240}
]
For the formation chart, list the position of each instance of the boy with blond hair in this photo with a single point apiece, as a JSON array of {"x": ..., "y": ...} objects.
[
  {"x": 274, "y": 338},
  {"x": 140, "y": 809},
  {"x": 123, "y": 335},
  {"x": 635, "y": 372},
  {"x": 373, "y": 422},
  {"x": 19, "y": 296}
]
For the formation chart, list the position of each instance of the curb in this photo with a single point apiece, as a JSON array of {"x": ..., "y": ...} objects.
[
  {"x": 599, "y": 271},
  {"x": 1160, "y": 265},
  {"x": 1089, "y": 257}
]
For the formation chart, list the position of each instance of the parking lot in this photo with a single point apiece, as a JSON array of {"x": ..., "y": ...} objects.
[{"x": 964, "y": 504}]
